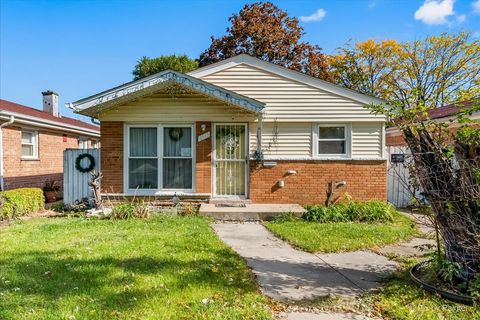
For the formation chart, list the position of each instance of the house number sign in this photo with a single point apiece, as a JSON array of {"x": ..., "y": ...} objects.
[{"x": 204, "y": 136}]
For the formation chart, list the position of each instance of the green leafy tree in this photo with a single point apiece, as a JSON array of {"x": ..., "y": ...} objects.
[
  {"x": 148, "y": 66},
  {"x": 428, "y": 74},
  {"x": 265, "y": 31}
]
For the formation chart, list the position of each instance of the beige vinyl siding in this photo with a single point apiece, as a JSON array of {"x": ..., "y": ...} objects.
[
  {"x": 293, "y": 139},
  {"x": 288, "y": 100},
  {"x": 367, "y": 140},
  {"x": 162, "y": 107}
]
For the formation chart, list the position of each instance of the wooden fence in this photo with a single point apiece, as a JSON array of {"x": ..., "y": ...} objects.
[
  {"x": 75, "y": 183},
  {"x": 400, "y": 193}
]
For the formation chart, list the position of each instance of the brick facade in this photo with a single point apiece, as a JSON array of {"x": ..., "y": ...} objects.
[
  {"x": 203, "y": 163},
  {"x": 19, "y": 172},
  {"x": 366, "y": 180},
  {"x": 111, "y": 156}
]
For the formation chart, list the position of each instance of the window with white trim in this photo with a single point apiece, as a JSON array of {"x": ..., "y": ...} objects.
[
  {"x": 160, "y": 157},
  {"x": 332, "y": 140},
  {"x": 29, "y": 144},
  {"x": 143, "y": 158},
  {"x": 82, "y": 143}
]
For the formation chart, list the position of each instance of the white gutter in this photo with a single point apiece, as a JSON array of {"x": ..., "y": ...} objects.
[
  {"x": 43, "y": 123},
  {"x": 3, "y": 125}
]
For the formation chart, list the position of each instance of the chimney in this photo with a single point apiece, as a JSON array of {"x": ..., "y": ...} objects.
[{"x": 50, "y": 102}]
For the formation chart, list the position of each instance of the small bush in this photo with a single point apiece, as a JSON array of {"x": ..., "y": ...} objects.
[
  {"x": 130, "y": 210},
  {"x": 19, "y": 202},
  {"x": 189, "y": 209},
  {"x": 371, "y": 211}
]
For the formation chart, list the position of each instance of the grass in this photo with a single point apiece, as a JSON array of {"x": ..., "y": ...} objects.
[
  {"x": 159, "y": 268},
  {"x": 342, "y": 236},
  {"x": 400, "y": 298}
]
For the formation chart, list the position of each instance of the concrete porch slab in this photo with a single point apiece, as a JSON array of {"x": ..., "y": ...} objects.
[{"x": 250, "y": 212}]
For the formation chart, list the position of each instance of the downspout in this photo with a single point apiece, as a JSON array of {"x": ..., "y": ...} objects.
[{"x": 3, "y": 125}]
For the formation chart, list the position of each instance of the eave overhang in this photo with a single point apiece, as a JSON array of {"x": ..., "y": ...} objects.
[{"x": 91, "y": 106}]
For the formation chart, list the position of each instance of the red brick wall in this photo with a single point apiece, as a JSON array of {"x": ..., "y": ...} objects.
[
  {"x": 203, "y": 165},
  {"x": 394, "y": 140},
  {"x": 111, "y": 155},
  {"x": 33, "y": 173},
  {"x": 366, "y": 180}
]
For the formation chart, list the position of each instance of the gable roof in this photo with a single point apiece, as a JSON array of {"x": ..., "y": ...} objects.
[
  {"x": 286, "y": 73},
  {"x": 8, "y": 108},
  {"x": 145, "y": 86}
]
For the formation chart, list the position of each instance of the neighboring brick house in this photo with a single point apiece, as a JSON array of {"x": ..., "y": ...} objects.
[
  {"x": 394, "y": 137},
  {"x": 33, "y": 141},
  {"x": 242, "y": 128},
  {"x": 399, "y": 190}
]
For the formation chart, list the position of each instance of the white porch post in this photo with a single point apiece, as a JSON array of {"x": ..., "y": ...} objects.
[{"x": 259, "y": 132}]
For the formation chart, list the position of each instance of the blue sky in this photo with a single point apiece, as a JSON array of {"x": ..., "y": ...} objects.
[{"x": 78, "y": 48}]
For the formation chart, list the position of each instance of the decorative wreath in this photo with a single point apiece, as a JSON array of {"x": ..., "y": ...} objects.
[
  {"x": 175, "y": 133},
  {"x": 79, "y": 159}
]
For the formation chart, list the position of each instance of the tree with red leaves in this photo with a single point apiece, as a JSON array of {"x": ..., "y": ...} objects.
[{"x": 265, "y": 31}]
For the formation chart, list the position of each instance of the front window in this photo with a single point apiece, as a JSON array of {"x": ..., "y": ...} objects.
[
  {"x": 160, "y": 157},
  {"x": 143, "y": 159},
  {"x": 29, "y": 145},
  {"x": 332, "y": 140},
  {"x": 177, "y": 158}
]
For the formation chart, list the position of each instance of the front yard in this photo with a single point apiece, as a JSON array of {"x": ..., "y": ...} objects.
[
  {"x": 159, "y": 268},
  {"x": 342, "y": 236}
]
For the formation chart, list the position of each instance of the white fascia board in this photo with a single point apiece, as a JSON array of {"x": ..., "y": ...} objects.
[
  {"x": 43, "y": 123},
  {"x": 286, "y": 73},
  {"x": 162, "y": 77}
]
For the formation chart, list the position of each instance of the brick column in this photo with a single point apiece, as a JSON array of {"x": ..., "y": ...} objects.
[
  {"x": 203, "y": 163},
  {"x": 111, "y": 155}
]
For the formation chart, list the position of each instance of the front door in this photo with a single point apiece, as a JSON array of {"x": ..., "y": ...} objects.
[{"x": 230, "y": 161}]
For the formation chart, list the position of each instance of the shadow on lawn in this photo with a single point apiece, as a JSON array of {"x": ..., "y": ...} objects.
[{"x": 117, "y": 283}]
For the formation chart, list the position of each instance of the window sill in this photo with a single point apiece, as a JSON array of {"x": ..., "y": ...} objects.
[{"x": 30, "y": 159}]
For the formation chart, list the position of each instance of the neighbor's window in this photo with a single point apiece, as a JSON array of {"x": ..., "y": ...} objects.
[
  {"x": 29, "y": 145},
  {"x": 143, "y": 158},
  {"x": 82, "y": 143},
  {"x": 332, "y": 140}
]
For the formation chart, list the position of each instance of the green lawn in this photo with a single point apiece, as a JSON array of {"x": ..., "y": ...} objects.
[
  {"x": 160, "y": 268},
  {"x": 400, "y": 298},
  {"x": 342, "y": 236}
]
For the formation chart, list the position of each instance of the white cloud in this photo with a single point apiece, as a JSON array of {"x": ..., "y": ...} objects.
[
  {"x": 435, "y": 12},
  {"x": 317, "y": 16},
  {"x": 476, "y": 6},
  {"x": 461, "y": 18}
]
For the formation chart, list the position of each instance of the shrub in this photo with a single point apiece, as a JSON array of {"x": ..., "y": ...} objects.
[
  {"x": 22, "y": 201},
  {"x": 371, "y": 211},
  {"x": 190, "y": 209},
  {"x": 129, "y": 210}
]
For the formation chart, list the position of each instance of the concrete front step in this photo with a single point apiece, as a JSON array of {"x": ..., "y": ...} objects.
[
  {"x": 229, "y": 201},
  {"x": 250, "y": 212}
]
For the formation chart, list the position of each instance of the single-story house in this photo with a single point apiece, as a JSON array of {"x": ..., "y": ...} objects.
[
  {"x": 32, "y": 142},
  {"x": 241, "y": 128}
]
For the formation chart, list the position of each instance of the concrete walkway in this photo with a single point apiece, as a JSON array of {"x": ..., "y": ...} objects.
[{"x": 285, "y": 273}]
